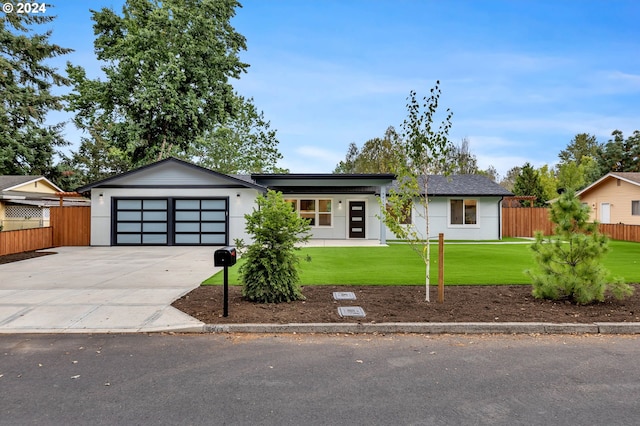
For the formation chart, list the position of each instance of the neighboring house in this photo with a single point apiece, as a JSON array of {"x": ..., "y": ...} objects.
[
  {"x": 25, "y": 201},
  {"x": 173, "y": 202},
  {"x": 614, "y": 198},
  {"x": 462, "y": 207}
]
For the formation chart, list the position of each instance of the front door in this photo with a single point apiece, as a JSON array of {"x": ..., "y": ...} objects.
[
  {"x": 357, "y": 216},
  {"x": 605, "y": 213}
]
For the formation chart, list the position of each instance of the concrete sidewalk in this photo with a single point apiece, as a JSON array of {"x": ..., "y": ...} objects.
[{"x": 102, "y": 289}]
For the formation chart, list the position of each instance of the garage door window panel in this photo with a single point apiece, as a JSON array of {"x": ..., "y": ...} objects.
[
  {"x": 141, "y": 221},
  {"x": 202, "y": 221}
]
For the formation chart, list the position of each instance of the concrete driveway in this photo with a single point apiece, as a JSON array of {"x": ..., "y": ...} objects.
[{"x": 102, "y": 289}]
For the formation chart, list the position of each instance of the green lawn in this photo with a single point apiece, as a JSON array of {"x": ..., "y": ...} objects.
[{"x": 464, "y": 264}]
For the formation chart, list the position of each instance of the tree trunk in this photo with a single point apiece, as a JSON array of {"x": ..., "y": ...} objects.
[{"x": 427, "y": 259}]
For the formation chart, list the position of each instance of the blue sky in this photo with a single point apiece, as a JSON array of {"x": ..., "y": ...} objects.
[{"x": 521, "y": 77}]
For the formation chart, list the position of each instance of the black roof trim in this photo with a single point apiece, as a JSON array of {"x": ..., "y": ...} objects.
[{"x": 320, "y": 176}]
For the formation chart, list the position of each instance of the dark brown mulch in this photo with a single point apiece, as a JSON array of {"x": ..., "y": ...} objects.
[
  {"x": 8, "y": 258},
  {"x": 406, "y": 304}
]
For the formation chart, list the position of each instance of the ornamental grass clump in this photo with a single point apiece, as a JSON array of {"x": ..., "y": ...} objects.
[
  {"x": 270, "y": 271},
  {"x": 569, "y": 265}
]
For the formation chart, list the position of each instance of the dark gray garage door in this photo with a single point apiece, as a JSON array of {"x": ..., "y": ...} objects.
[{"x": 170, "y": 221}]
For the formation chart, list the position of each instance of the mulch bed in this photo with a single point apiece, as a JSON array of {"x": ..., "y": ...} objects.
[
  {"x": 8, "y": 258},
  {"x": 507, "y": 303}
]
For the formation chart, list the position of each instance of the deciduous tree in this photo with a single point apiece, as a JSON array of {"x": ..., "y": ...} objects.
[
  {"x": 426, "y": 149},
  {"x": 244, "y": 143},
  {"x": 167, "y": 65}
]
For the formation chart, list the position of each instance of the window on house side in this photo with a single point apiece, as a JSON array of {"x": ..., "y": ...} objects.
[
  {"x": 464, "y": 212},
  {"x": 635, "y": 208}
]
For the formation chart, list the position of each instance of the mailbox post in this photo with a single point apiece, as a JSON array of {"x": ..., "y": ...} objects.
[{"x": 225, "y": 257}]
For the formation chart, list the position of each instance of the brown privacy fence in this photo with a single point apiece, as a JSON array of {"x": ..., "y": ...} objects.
[
  {"x": 70, "y": 226},
  {"x": 524, "y": 222},
  {"x": 25, "y": 240},
  {"x": 619, "y": 231}
]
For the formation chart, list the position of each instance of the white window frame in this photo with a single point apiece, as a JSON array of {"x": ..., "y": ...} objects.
[
  {"x": 316, "y": 211},
  {"x": 463, "y": 225},
  {"x": 635, "y": 207}
]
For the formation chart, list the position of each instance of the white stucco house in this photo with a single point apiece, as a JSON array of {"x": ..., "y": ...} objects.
[
  {"x": 173, "y": 202},
  {"x": 462, "y": 207}
]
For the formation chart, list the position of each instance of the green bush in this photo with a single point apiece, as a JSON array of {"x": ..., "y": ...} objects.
[
  {"x": 270, "y": 271},
  {"x": 569, "y": 265}
]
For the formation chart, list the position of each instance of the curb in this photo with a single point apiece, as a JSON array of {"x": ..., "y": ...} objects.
[{"x": 430, "y": 328}]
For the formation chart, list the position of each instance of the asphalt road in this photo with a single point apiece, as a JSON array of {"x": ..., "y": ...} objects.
[{"x": 319, "y": 380}]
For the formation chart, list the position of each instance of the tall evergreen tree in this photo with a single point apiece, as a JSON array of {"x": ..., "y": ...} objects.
[
  {"x": 620, "y": 154},
  {"x": 582, "y": 145},
  {"x": 26, "y": 83},
  {"x": 528, "y": 183}
]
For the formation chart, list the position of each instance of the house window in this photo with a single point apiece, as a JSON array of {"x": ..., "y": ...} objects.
[
  {"x": 463, "y": 212},
  {"x": 316, "y": 211},
  {"x": 635, "y": 208}
]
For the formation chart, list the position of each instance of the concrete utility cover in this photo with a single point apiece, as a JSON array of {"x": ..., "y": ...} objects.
[
  {"x": 344, "y": 295},
  {"x": 351, "y": 311}
]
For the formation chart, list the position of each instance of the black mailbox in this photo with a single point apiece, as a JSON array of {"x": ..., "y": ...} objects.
[{"x": 225, "y": 256}]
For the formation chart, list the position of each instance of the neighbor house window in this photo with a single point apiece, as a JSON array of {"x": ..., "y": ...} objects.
[
  {"x": 316, "y": 211},
  {"x": 464, "y": 212},
  {"x": 635, "y": 208}
]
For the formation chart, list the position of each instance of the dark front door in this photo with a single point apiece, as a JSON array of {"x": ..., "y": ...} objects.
[{"x": 356, "y": 219}]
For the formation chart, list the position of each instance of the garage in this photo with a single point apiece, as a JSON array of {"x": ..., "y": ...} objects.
[
  {"x": 170, "y": 203},
  {"x": 170, "y": 221}
]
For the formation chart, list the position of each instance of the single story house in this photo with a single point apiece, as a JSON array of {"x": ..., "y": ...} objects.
[
  {"x": 173, "y": 202},
  {"x": 25, "y": 201},
  {"x": 614, "y": 198},
  {"x": 462, "y": 207}
]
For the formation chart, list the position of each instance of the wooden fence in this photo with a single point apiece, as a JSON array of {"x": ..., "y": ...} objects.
[
  {"x": 70, "y": 226},
  {"x": 25, "y": 240},
  {"x": 524, "y": 222}
]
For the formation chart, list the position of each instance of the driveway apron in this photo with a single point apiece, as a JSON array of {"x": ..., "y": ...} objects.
[{"x": 102, "y": 289}]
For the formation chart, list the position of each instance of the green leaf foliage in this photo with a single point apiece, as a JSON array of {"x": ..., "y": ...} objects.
[
  {"x": 243, "y": 144},
  {"x": 270, "y": 271},
  {"x": 167, "y": 66},
  {"x": 28, "y": 145},
  {"x": 569, "y": 266},
  {"x": 528, "y": 183}
]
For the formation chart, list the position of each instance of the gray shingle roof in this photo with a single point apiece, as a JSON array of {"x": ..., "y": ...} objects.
[
  {"x": 463, "y": 185},
  {"x": 8, "y": 181}
]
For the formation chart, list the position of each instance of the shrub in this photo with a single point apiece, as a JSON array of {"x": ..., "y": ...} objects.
[
  {"x": 270, "y": 273},
  {"x": 569, "y": 265}
]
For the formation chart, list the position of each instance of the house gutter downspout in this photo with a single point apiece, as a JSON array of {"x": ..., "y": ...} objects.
[{"x": 500, "y": 218}]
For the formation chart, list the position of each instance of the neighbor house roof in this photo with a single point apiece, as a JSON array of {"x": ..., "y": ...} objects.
[
  {"x": 14, "y": 182},
  {"x": 630, "y": 177},
  {"x": 462, "y": 186}
]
